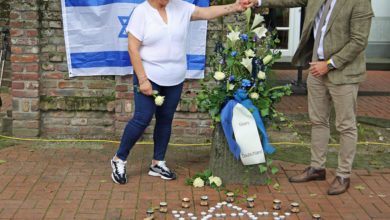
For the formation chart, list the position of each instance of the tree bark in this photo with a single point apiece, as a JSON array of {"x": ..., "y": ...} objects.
[{"x": 223, "y": 164}]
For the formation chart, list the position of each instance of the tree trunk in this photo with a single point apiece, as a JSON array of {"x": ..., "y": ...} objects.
[{"x": 224, "y": 165}]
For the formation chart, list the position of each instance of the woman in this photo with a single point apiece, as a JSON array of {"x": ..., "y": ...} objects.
[{"x": 157, "y": 33}]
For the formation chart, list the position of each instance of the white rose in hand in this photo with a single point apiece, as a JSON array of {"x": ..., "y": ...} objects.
[{"x": 159, "y": 100}]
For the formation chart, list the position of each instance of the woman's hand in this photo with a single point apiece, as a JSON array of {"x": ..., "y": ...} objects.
[{"x": 145, "y": 87}]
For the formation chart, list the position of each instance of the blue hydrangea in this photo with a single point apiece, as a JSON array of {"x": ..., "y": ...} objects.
[
  {"x": 246, "y": 83},
  {"x": 231, "y": 78},
  {"x": 244, "y": 37},
  {"x": 233, "y": 53},
  {"x": 221, "y": 61}
]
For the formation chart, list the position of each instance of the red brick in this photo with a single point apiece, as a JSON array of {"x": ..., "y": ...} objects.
[
  {"x": 24, "y": 58},
  {"x": 122, "y": 88},
  {"x": 53, "y": 75},
  {"x": 17, "y": 85},
  {"x": 30, "y": 15},
  {"x": 25, "y": 76},
  {"x": 65, "y": 85},
  {"x": 17, "y": 50},
  {"x": 34, "y": 67},
  {"x": 25, "y": 93},
  {"x": 16, "y": 32}
]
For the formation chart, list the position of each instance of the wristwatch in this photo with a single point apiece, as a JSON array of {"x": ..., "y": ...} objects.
[{"x": 330, "y": 65}]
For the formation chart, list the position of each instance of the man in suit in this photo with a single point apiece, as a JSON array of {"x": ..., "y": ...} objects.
[{"x": 334, "y": 37}]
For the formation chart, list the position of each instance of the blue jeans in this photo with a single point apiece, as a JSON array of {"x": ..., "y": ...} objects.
[{"x": 145, "y": 108}]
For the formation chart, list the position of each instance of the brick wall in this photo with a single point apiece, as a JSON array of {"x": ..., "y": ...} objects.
[
  {"x": 47, "y": 103},
  {"x": 4, "y": 24}
]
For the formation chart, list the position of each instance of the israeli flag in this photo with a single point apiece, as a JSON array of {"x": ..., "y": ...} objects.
[{"x": 96, "y": 40}]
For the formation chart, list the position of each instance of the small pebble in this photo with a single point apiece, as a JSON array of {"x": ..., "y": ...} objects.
[
  {"x": 174, "y": 212},
  {"x": 203, "y": 213},
  {"x": 217, "y": 215},
  {"x": 265, "y": 213},
  {"x": 287, "y": 214},
  {"x": 177, "y": 215},
  {"x": 241, "y": 214},
  {"x": 244, "y": 211},
  {"x": 182, "y": 212},
  {"x": 282, "y": 217},
  {"x": 275, "y": 214},
  {"x": 260, "y": 213},
  {"x": 190, "y": 214},
  {"x": 233, "y": 214}
]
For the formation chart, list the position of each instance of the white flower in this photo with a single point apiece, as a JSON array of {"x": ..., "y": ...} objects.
[
  {"x": 250, "y": 53},
  {"x": 261, "y": 75},
  {"x": 258, "y": 19},
  {"x": 159, "y": 100},
  {"x": 260, "y": 31},
  {"x": 254, "y": 95},
  {"x": 247, "y": 62},
  {"x": 216, "y": 180},
  {"x": 231, "y": 86},
  {"x": 198, "y": 182},
  {"x": 267, "y": 59},
  {"x": 233, "y": 36},
  {"x": 219, "y": 75}
]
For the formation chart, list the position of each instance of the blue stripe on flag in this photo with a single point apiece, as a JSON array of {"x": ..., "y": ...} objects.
[
  {"x": 78, "y": 3},
  {"x": 122, "y": 59},
  {"x": 100, "y": 59},
  {"x": 196, "y": 62}
]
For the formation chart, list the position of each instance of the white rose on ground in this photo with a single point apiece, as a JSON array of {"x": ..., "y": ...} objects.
[
  {"x": 250, "y": 53},
  {"x": 219, "y": 75},
  {"x": 254, "y": 95},
  {"x": 247, "y": 62},
  {"x": 261, "y": 75},
  {"x": 216, "y": 180},
  {"x": 198, "y": 182},
  {"x": 258, "y": 19},
  {"x": 260, "y": 31},
  {"x": 267, "y": 59},
  {"x": 233, "y": 36},
  {"x": 159, "y": 100}
]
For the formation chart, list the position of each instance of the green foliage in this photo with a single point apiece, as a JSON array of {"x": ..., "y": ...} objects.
[{"x": 243, "y": 62}]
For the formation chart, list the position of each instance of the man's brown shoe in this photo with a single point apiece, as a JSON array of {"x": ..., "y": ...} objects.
[
  {"x": 309, "y": 174},
  {"x": 339, "y": 185}
]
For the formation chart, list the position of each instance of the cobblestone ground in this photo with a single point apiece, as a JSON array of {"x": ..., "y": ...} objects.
[{"x": 72, "y": 183}]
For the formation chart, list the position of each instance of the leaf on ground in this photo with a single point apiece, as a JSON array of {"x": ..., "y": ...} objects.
[
  {"x": 313, "y": 194},
  {"x": 274, "y": 170},
  {"x": 103, "y": 181},
  {"x": 382, "y": 195},
  {"x": 262, "y": 168},
  {"x": 360, "y": 187},
  {"x": 3, "y": 161},
  {"x": 276, "y": 186}
]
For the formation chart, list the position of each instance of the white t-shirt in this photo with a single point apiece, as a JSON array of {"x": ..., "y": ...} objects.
[{"x": 163, "y": 46}]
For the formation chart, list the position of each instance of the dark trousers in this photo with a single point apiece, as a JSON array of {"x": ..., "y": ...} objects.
[{"x": 145, "y": 108}]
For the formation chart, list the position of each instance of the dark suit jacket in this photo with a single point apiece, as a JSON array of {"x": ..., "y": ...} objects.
[{"x": 345, "y": 39}]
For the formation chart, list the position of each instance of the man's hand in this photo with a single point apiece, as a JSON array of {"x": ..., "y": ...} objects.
[
  {"x": 319, "y": 68},
  {"x": 145, "y": 87}
]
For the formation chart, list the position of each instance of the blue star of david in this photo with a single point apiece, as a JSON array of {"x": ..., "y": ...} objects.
[{"x": 124, "y": 20}]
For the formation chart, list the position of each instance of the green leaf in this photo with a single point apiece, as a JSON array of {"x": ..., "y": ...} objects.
[
  {"x": 274, "y": 170},
  {"x": 103, "y": 181},
  {"x": 276, "y": 186},
  {"x": 207, "y": 173},
  {"x": 3, "y": 161},
  {"x": 269, "y": 162},
  {"x": 262, "y": 168},
  {"x": 360, "y": 187},
  {"x": 268, "y": 181}
]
